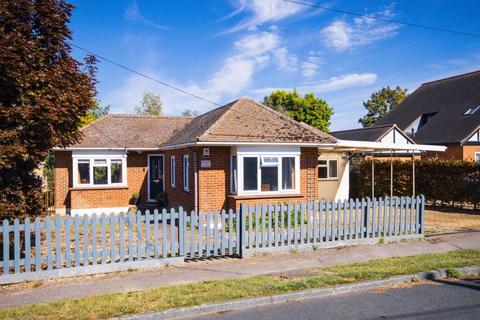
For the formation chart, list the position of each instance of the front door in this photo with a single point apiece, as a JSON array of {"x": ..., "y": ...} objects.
[{"x": 155, "y": 176}]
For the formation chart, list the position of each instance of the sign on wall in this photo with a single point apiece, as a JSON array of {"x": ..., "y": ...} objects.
[{"x": 206, "y": 163}]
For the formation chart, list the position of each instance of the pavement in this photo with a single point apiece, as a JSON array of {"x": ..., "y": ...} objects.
[
  {"x": 227, "y": 268},
  {"x": 441, "y": 299}
]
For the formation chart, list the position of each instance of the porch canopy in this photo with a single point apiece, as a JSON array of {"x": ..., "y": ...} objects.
[{"x": 372, "y": 147}]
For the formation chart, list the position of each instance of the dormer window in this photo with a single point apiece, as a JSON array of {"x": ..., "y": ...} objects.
[{"x": 471, "y": 110}]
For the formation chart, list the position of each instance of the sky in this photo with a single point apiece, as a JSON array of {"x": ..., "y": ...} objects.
[{"x": 223, "y": 49}]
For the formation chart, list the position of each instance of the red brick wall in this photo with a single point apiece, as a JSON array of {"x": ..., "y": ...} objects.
[
  {"x": 67, "y": 197},
  {"x": 466, "y": 152},
  {"x": 469, "y": 152},
  {"x": 177, "y": 196}
]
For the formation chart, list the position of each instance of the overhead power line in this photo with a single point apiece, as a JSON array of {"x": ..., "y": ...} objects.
[
  {"x": 144, "y": 75},
  {"x": 356, "y": 14}
]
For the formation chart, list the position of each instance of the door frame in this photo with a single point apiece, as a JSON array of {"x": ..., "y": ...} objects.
[{"x": 148, "y": 174}]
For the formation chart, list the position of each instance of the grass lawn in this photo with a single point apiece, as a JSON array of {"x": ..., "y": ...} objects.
[{"x": 120, "y": 304}]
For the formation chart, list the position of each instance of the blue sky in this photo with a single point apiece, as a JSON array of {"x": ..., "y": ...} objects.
[{"x": 222, "y": 50}]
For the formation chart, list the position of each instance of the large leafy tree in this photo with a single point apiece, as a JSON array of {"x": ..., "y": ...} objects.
[
  {"x": 380, "y": 103},
  {"x": 151, "y": 104},
  {"x": 44, "y": 93},
  {"x": 308, "y": 109}
]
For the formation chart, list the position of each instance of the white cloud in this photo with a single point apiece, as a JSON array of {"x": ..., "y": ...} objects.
[
  {"x": 342, "y": 35},
  {"x": 132, "y": 13},
  {"x": 311, "y": 65},
  {"x": 332, "y": 84},
  {"x": 285, "y": 60},
  {"x": 262, "y": 11},
  {"x": 250, "y": 54}
]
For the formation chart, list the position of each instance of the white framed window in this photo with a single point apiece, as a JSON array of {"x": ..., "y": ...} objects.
[
  {"x": 186, "y": 170},
  {"x": 327, "y": 169},
  {"x": 477, "y": 156},
  {"x": 172, "y": 171},
  {"x": 265, "y": 171},
  {"x": 99, "y": 170}
]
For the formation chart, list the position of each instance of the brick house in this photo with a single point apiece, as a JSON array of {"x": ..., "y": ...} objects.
[
  {"x": 243, "y": 152},
  {"x": 443, "y": 112}
]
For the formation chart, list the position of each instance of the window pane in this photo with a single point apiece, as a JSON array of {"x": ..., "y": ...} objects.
[
  {"x": 100, "y": 175},
  {"x": 84, "y": 171},
  {"x": 322, "y": 162},
  {"x": 100, "y": 161},
  {"x": 333, "y": 168},
  {"x": 234, "y": 174},
  {"x": 116, "y": 171},
  {"x": 477, "y": 157},
  {"x": 269, "y": 178},
  {"x": 269, "y": 161},
  {"x": 250, "y": 180},
  {"x": 322, "y": 172},
  {"x": 288, "y": 173}
]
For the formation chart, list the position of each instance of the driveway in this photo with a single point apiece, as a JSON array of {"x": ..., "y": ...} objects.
[
  {"x": 440, "y": 300},
  {"x": 445, "y": 221}
]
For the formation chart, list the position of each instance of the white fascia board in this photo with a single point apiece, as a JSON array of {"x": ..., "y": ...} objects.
[{"x": 379, "y": 146}]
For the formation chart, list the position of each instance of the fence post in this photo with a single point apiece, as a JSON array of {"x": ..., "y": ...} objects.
[
  {"x": 241, "y": 230},
  {"x": 366, "y": 218},
  {"x": 422, "y": 214},
  {"x": 182, "y": 230}
]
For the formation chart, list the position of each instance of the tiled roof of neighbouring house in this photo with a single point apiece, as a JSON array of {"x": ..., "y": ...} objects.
[
  {"x": 444, "y": 102},
  {"x": 243, "y": 120},
  {"x": 363, "y": 134}
]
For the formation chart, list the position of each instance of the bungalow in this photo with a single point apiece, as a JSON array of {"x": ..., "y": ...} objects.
[{"x": 242, "y": 152}]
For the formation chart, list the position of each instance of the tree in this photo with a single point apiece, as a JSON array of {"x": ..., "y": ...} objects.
[
  {"x": 308, "y": 109},
  {"x": 96, "y": 111},
  {"x": 380, "y": 103},
  {"x": 189, "y": 113},
  {"x": 151, "y": 104},
  {"x": 44, "y": 93}
]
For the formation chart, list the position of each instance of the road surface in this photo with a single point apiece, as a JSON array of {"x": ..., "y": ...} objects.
[{"x": 443, "y": 299}]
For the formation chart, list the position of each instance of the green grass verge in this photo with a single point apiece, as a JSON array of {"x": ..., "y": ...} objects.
[{"x": 120, "y": 304}]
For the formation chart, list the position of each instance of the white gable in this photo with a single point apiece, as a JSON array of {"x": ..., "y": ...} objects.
[
  {"x": 395, "y": 136},
  {"x": 475, "y": 137}
]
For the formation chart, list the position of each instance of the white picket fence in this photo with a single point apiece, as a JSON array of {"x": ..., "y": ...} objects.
[{"x": 65, "y": 246}]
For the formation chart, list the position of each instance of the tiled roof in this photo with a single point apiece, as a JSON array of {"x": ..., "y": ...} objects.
[
  {"x": 363, "y": 134},
  {"x": 243, "y": 120},
  {"x": 445, "y": 99},
  {"x": 130, "y": 131},
  {"x": 246, "y": 120}
]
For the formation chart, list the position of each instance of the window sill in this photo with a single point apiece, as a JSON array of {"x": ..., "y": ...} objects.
[
  {"x": 98, "y": 188},
  {"x": 328, "y": 179},
  {"x": 266, "y": 196}
]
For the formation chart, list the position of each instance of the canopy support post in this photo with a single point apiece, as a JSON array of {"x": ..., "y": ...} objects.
[
  {"x": 373, "y": 176},
  {"x": 391, "y": 173},
  {"x": 413, "y": 173}
]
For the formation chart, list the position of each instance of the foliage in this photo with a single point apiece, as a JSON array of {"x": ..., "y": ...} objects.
[
  {"x": 308, "y": 109},
  {"x": 189, "y": 113},
  {"x": 216, "y": 291},
  {"x": 439, "y": 180},
  {"x": 44, "y": 93},
  {"x": 96, "y": 111},
  {"x": 380, "y": 103},
  {"x": 151, "y": 104}
]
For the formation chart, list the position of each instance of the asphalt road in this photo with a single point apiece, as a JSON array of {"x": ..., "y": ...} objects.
[{"x": 432, "y": 300}]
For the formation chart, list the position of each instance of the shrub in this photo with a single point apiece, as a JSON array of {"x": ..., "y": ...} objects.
[{"x": 447, "y": 181}]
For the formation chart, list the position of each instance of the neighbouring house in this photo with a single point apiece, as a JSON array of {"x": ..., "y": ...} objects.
[
  {"x": 443, "y": 112},
  {"x": 388, "y": 133},
  {"x": 243, "y": 152}
]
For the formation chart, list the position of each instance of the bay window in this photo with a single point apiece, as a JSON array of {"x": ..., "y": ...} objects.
[
  {"x": 271, "y": 171},
  {"x": 92, "y": 170}
]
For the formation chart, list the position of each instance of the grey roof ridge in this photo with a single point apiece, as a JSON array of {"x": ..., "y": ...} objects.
[{"x": 451, "y": 77}]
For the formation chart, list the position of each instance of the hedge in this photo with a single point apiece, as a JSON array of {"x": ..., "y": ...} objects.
[{"x": 445, "y": 181}]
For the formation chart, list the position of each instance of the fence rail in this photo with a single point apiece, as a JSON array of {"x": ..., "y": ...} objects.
[{"x": 56, "y": 246}]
